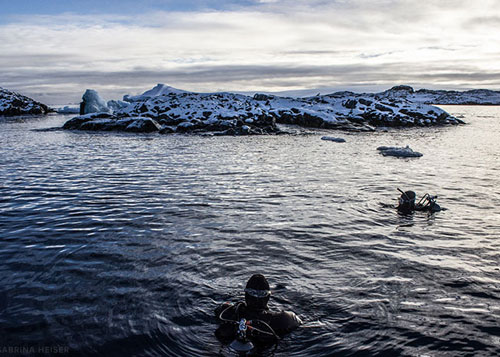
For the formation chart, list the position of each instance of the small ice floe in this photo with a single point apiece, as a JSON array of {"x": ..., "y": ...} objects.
[
  {"x": 398, "y": 151},
  {"x": 69, "y": 110},
  {"x": 331, "y": 138}
]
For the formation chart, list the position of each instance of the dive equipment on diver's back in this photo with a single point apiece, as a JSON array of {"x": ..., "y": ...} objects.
[
  {"x": 250, "y": 324},
  {"x": 407, "y": 203}
]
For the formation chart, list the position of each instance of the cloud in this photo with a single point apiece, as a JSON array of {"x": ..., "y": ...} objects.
[
  {"x": 488, "y": 22},
  {"x": 250, "y": 78},
  {"x": 263, "y": 45}
]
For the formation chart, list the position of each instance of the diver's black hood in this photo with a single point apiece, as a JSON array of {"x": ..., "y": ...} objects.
[
  {"x": 407, "y": 202},
  {"x": 258, "y": 283}
]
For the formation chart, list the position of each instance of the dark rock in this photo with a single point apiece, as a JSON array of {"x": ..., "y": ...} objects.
[
  {"x": 413, "y": 114},
  {"x": 365, "y": 102},
  {"x": 262, "y": 97},
  {"x": 168, "y": 121},
  {"x": 108, "y": 122},
  {"x": 167, "y": 130},
  {"x": 383, "y": 108},
  {"x": 140, "y": 125},
  {"x": 76, "y": 123},
  {"x": 402, "y": 88},
  {"x": 350, "y": 103},
  {"x": 312, "y": 121}
]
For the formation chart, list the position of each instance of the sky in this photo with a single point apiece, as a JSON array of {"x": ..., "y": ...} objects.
[{"x": 54, "y": 50}]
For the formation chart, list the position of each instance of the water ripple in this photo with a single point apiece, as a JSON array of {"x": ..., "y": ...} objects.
[{"x": 120, "y": 244}]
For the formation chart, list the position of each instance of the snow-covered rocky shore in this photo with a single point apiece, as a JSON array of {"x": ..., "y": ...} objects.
[
  {"x": 12, "y": 103},
  {"x": 167, "y": 110}
]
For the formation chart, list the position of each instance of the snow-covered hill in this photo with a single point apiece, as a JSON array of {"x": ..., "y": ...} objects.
[
  {"x": 167, "y": 109},
  {"x": 12, "y": 103}
]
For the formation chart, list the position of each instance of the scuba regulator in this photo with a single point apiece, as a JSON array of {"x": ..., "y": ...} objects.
[{"x": 241, "y": 342}]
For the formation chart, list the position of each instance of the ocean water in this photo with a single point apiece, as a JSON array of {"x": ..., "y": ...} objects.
[{"x": 123, "y": 244}]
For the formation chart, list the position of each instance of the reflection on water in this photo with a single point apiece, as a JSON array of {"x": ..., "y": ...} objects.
[{"x": 123, "y": 244}]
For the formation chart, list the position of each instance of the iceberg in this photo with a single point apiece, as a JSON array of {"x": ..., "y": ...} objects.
[{"x": 93, "y": 103}]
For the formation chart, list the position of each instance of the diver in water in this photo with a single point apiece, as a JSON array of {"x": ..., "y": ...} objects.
[
  {"x": 250, "y": 324},
  {"x": 407, "y": 203}
]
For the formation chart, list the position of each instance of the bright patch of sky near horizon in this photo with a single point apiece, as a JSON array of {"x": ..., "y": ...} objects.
[{"x": 54, "y": 50}]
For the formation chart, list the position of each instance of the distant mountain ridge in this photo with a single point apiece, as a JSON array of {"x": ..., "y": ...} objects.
[{"x": 445, "y": 97}]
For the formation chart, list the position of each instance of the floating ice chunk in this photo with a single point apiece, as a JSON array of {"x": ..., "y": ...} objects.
[
  {"x": 331, "y": 138},
  {"x": 69, "y": 110},
  {"x": 398, "y": 151},
  {"x": 93, "y": 103}
]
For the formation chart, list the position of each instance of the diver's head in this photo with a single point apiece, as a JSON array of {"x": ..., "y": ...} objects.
[
  {"x": 407, "y": 202},
  {"x": 257, "y": 292}
]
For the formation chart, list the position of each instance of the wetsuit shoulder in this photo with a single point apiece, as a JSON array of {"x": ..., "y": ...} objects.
[
  {"x": 284, "y": 321},
  {"x": 219, "y": 309}
]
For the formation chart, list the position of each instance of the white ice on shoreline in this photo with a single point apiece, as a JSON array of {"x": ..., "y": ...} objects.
[{"x": 69, "y": 110}]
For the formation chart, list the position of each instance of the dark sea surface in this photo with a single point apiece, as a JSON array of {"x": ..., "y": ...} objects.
[{"x": 123, "y": 244}]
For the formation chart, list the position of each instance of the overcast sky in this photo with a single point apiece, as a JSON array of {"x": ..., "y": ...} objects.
[{"x": 54, "y": 50}]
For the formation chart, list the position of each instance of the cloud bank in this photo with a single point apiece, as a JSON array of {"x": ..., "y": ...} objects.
[{"x": 266, "y": 45}]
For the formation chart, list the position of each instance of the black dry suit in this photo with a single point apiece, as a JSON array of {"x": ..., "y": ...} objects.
[
  {"x": 407, "y": 203},
  {"x": 252, "y": 320}
]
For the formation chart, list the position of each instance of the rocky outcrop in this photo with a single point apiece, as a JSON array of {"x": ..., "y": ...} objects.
[
  {"x": 12, "y": 103},
  {"x": 109, "y": 122},
  {"x": 359, "y": 112},
  {"x": 169, "y": 110}
]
